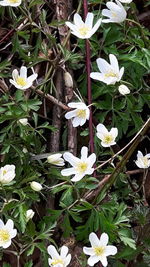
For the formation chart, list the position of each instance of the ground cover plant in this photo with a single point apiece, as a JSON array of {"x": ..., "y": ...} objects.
[{"x": 74, "y": 136}]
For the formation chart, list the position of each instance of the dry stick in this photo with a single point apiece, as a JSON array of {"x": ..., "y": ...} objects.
[
  {"x": 108, "y": 182},
  {"x": 52, "y": 99},
  {"x": 89, "y": 89}
]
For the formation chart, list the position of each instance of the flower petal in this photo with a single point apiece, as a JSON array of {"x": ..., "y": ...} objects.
[
  {"x": 78, "y": 20},
  {"x": 9, "y": 224},
  {"x": 114, "y": 62},
  {"x": 71, "y": 26},
  {"x": 92, "y": 260},
  {"x": 95, "y": 28},
  {"x": 88, "y": 251},
  {"x": 64, "y": 251},
  {"x": 84, "y": 153},
  {"x": 104, "y": 239},
  {"x": 23, "y": 72},
  {"x": 32, "y": 78},
  {"x": 68, "y": 172},
  {"x": 70, "y": 114},
  {"x": 77, "y": 177},
  {"x": 71, "y": 158},
  {"x": 94, "y": 240},
  {"x": 103, "y": 260},
  {"x": 89, "y": 20},
  {"x": 102, "y": 129},
  {"x": 15, "y": 74},
  {"x": 52, "y": 252},
  {"x": 114, "y": 132},
  {"x": 103, "y": 65},
  {"x": 110, "y": 250}
]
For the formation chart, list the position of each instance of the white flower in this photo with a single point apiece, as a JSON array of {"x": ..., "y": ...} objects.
[
  {"x": 107, "y": 138},
  {"x": 109, "y": 73},
  {"x": 143, "y": 161},
  {"x": 79, "y": 115},
  {"x": 80, "y": 167},
  {"x": 125, "y": 1},
  {"x": 24, "y": 121},
  {"x": 99, "y": 250},
  {"x": 56, "y": 159},
  {"x": 21, "y": 81},
  {"x": 123, "y": 89},
  {"x": 83, "y": 30},
  {"x": 7, "y": 174},
  {"x": 57, "y": 260},
  {"x": 29, "y": 214},
  {"x": 7, "y": 232},
  {"x": 115, "y": 12},
  {"x": 10, "y": 2},
  {"x": 36, "y": 186}
]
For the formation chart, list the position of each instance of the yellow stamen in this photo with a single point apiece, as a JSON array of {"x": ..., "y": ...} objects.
[
  {"x": 108, "y": 139},
  {"x": 81, "y": 113},
  {"x": 21, "y": 81},
  {"x": 99, "y": 251},
  {"x": 13, "y": 1},
  {"x": 4, "y": 235},
  {"x": 114, "y": 14},
  {"x": 111, "y": 74},
  {"x": 83, "y": 30},
  {"x": 56, "y": 261},
  {"x": 81, "y": 167},
  {"x": 4, "y": 172}
]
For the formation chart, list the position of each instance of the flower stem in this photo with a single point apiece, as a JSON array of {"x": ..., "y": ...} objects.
[{"x": 89, "y": 89}]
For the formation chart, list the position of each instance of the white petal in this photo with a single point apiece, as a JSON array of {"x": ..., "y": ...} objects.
[
  {"x": 114, "y": 132},
  {"x": 94, "y": 240},
  {"x": 97, "y": 76},
  {"x": 107, "y": 20},
  {"x": 110, "y": 250},
  {"x": 76, "y": 122},
  {"x": 88, "y": 251},
  {"x": 103, "y": 65},
  {"x": 7, "y": 244},
  {"x": 91, "y": 159},
  {"x": 52, "y": 252},
  {"x": 10, "y": 224},
  {"x": 23, "y": 72},
  {"x": 13, "y": 233},
  {"x": 112, "y": 6},
  {"x": 104, "y": 239},
  {"x": 71, "y": 158},
  {"x": 67, "y": 259},
  {"x": 114, "y": 62},
  {"x": 77, "y": 177},
  {"x": 89, "y": 20},
  {"x": 70, "y": 114},
  {"x": 64, "y": 251},
  {"x": 103, "y": 260},
  {"x": 89, "y": 171},
  {"x": 32, "y": 78},
  {"x": 68, "y": 172},
  {"x": 1, "y": 224},
  {"x": 92, "y": 260},
  {"x": 95, "y": 28},
  {"x": 71, "y": 26},
  {"x": 78, "y": 20},
  {"x": 102, "y": 129},
  {"x": 106, "y": 12},
  {"x": 84, "y": 153},
  {"x": 140, "y": 154},
  {"x": 147, "y": 155},
  {"x": 78, "y": 105},
  {"x": 82, "y": 121},
  {"x": 108, "y": 145},
  {"x": 15, "y": 74},
  {"x": 121, "y": 72}
]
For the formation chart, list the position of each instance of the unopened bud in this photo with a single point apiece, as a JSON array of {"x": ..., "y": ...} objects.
[
  {"x": 36, "y": 186},
  {"x": 68, "y": 79}
]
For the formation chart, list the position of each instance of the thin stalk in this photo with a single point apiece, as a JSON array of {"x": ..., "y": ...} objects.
[{"x": 89, "y": 89}]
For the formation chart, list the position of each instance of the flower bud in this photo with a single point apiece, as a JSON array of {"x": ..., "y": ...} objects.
[
  {"x": 56, "y": 159},
  {"x": 36, "y": 186},
  {"x": 29, "y": 214},
  {"x": 123, "y": 89},
  {"x": 68, "y": 79},
  {"x": 24, "y": 121}
]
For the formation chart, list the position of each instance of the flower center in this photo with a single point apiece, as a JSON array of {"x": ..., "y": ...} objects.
[
  {"x": 108, "y": 139},
  {"x": 57, "y": 261},
  {"x": 111, "y": 74},
  {"x": 114, "y": 14},
  {"x": 21, "y": 81},
  {"x": 99, "y": 251},
  {"x": 145, "y": 161},
  {"x": 4, "y": 172},
  {"x": 81, "y": 167},
  {"x": 81, "y": 113},
  {"x": 4, "y": 235},
  {"x": 83, "y": 30},
  {"x": 13, "y": 1}
]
